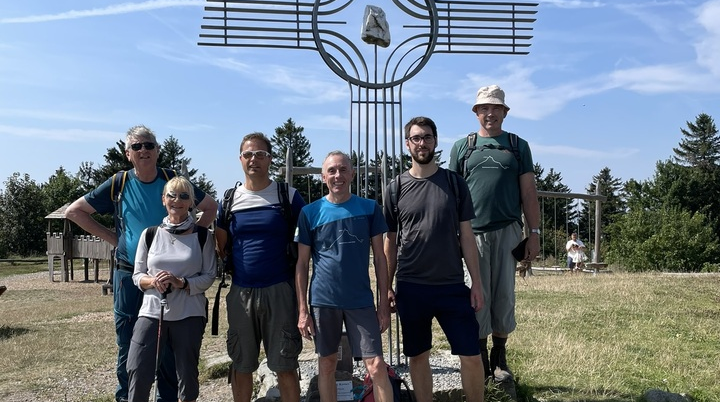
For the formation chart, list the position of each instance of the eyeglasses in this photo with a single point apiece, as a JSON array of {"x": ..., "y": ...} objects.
[
  {"x": 138, "y": 146},
  {"x": 259, "y": 154},
  {"x": 172, "y": 195},
  {"x": 428, "y": 139}
]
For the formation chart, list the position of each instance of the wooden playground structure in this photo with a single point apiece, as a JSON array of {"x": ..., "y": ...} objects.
[{"x": 63, "y": 248}]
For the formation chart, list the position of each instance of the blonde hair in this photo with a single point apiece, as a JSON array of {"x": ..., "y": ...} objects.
[{"x": 179, "y": 184}]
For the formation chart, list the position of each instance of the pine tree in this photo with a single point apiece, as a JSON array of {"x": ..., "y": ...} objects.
[
  {"x": 700, "y": 146},
  {"x": 291, "y": 136},
  {"x": 611, "y": 209},
  {"x": 558, "y": 215}
]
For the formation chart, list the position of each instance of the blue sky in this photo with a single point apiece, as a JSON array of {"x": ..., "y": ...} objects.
[{"x": 606, "y": 83}]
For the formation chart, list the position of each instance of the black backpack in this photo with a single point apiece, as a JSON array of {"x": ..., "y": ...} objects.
[{"x": 226, "y": 266}]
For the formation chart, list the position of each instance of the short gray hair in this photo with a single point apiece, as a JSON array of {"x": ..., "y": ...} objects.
[{"x": 139, "y": 132}]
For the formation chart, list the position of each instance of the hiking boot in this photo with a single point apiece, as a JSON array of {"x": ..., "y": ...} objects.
[{"x": 499, "y": 367}]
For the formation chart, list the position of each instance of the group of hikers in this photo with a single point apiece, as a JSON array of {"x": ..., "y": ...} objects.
[{"x": 430, "y": 220}]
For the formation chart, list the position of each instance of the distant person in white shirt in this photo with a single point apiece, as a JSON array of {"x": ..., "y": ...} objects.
[{"x": 575, "y": 252}]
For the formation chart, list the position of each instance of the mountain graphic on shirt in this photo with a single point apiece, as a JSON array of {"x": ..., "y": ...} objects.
[
  {"x": 490, "y": 163},
  {"x": 345, "y": 237}
]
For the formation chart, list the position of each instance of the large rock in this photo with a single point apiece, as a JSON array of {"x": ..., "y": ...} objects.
[
  {"x": 375, "y": 29},
  {"x": 656, "y": 395}
]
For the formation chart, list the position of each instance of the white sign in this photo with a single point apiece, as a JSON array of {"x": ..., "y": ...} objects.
[{"x": 344, "y": 390}]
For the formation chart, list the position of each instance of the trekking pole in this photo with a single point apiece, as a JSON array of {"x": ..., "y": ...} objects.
[{"x": 163, "y": 304}]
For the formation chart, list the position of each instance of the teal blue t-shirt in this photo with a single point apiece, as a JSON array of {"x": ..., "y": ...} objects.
[{"x": 339, "y": 237}]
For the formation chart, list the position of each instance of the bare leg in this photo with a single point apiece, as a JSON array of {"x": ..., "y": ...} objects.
[
  {"x": 242, "y": 386},
  {"x": 326, "y": 378},
  {"x": 289, "y": 386},
  {"x": 421, "y": 377},
  {"x": 473, "y": 379},
  {"x": 377, "y": 369}
]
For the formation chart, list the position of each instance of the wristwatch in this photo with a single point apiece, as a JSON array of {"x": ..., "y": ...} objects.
[
  {"x": 185, "y": 283},
  {"x": 535, "y": 231}
]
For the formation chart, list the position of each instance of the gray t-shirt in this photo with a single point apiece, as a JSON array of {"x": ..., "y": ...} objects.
[{"x": 430, "y": 215}]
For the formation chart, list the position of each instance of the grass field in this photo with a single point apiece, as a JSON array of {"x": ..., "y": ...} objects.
[{"x": 606, "y": 338}]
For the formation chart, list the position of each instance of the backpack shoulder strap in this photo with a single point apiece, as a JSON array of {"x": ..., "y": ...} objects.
[
  {"x": 117, "y": 185},
  {"x": 227, "y": 202},
  {"x": 168, "y": 173},
  {"x": 514, "y": 146},
  {"x": 471, "y": 141},
  {"x": 150, "y": 236},
  {"x": 202, "y": 232},
  {"x": 394, "y": 198}
]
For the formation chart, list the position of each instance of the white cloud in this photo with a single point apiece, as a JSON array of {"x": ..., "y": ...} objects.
[
  {"x": 68, "y": 135},
  {"x": 123, "y": 8},
  {"x": 531, "y": 102},
  {"x": 681, "y": 78},
  {"x": 708, "y": 47},
  {"x": 573, "y": 3},
  {"x": 48, "y": 115}
]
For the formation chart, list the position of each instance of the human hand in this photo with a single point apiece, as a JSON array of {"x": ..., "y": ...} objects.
[
  {"x": 477, "y": 301},
  {"x": 305, "y": 325},
  {"x": 391, "y": 301}
]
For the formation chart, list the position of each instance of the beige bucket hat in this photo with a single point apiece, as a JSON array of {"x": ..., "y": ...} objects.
[{"x": 490, "y": 95}]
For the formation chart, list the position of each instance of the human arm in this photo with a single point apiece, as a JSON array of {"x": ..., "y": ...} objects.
[
  {"x": 302, "y": 269},
  {"x": 391, "y": 258},
  {"x": 381, "y": 276},
  {"x": 470, "y": 254},
  {"x": 569, "y": 245},
  {"x": 221, "y": 238},
  {"x": 208, "y": 207},
  {"x": 531, "y": 210},
  {"x": 80, "y": 212}
]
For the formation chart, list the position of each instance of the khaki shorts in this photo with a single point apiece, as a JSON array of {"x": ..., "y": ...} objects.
[
  {"x": 267, "y": 315},
  {"x": 497, "y": 272}
]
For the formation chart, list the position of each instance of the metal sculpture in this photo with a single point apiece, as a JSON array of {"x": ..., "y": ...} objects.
[{"x": 429, "y": 27}]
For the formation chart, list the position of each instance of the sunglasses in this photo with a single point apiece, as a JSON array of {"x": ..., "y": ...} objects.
[
  {"x": 138, "y": 146},
  {"x": 183, "y": 196},
  {"x": 260, "y": 154}
]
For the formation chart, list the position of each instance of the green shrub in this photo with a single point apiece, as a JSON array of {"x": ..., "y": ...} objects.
[{"x": 664, "y": 240}]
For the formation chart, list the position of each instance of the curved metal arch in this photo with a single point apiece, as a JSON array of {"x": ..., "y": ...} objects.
[{"x": 433, "y": 35}]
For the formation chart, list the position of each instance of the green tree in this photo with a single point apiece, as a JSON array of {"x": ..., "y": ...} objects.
[
  {"x": 558, "y": 215},
  {"x": 666, "y": 239},
  {"x": 22, "y": 211},
  {"x": 60, "y": 189},
  {"x": 615, "y": 205},
  {"x": 290, "y": 136},
  {"x": 700, "y": 146}
]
